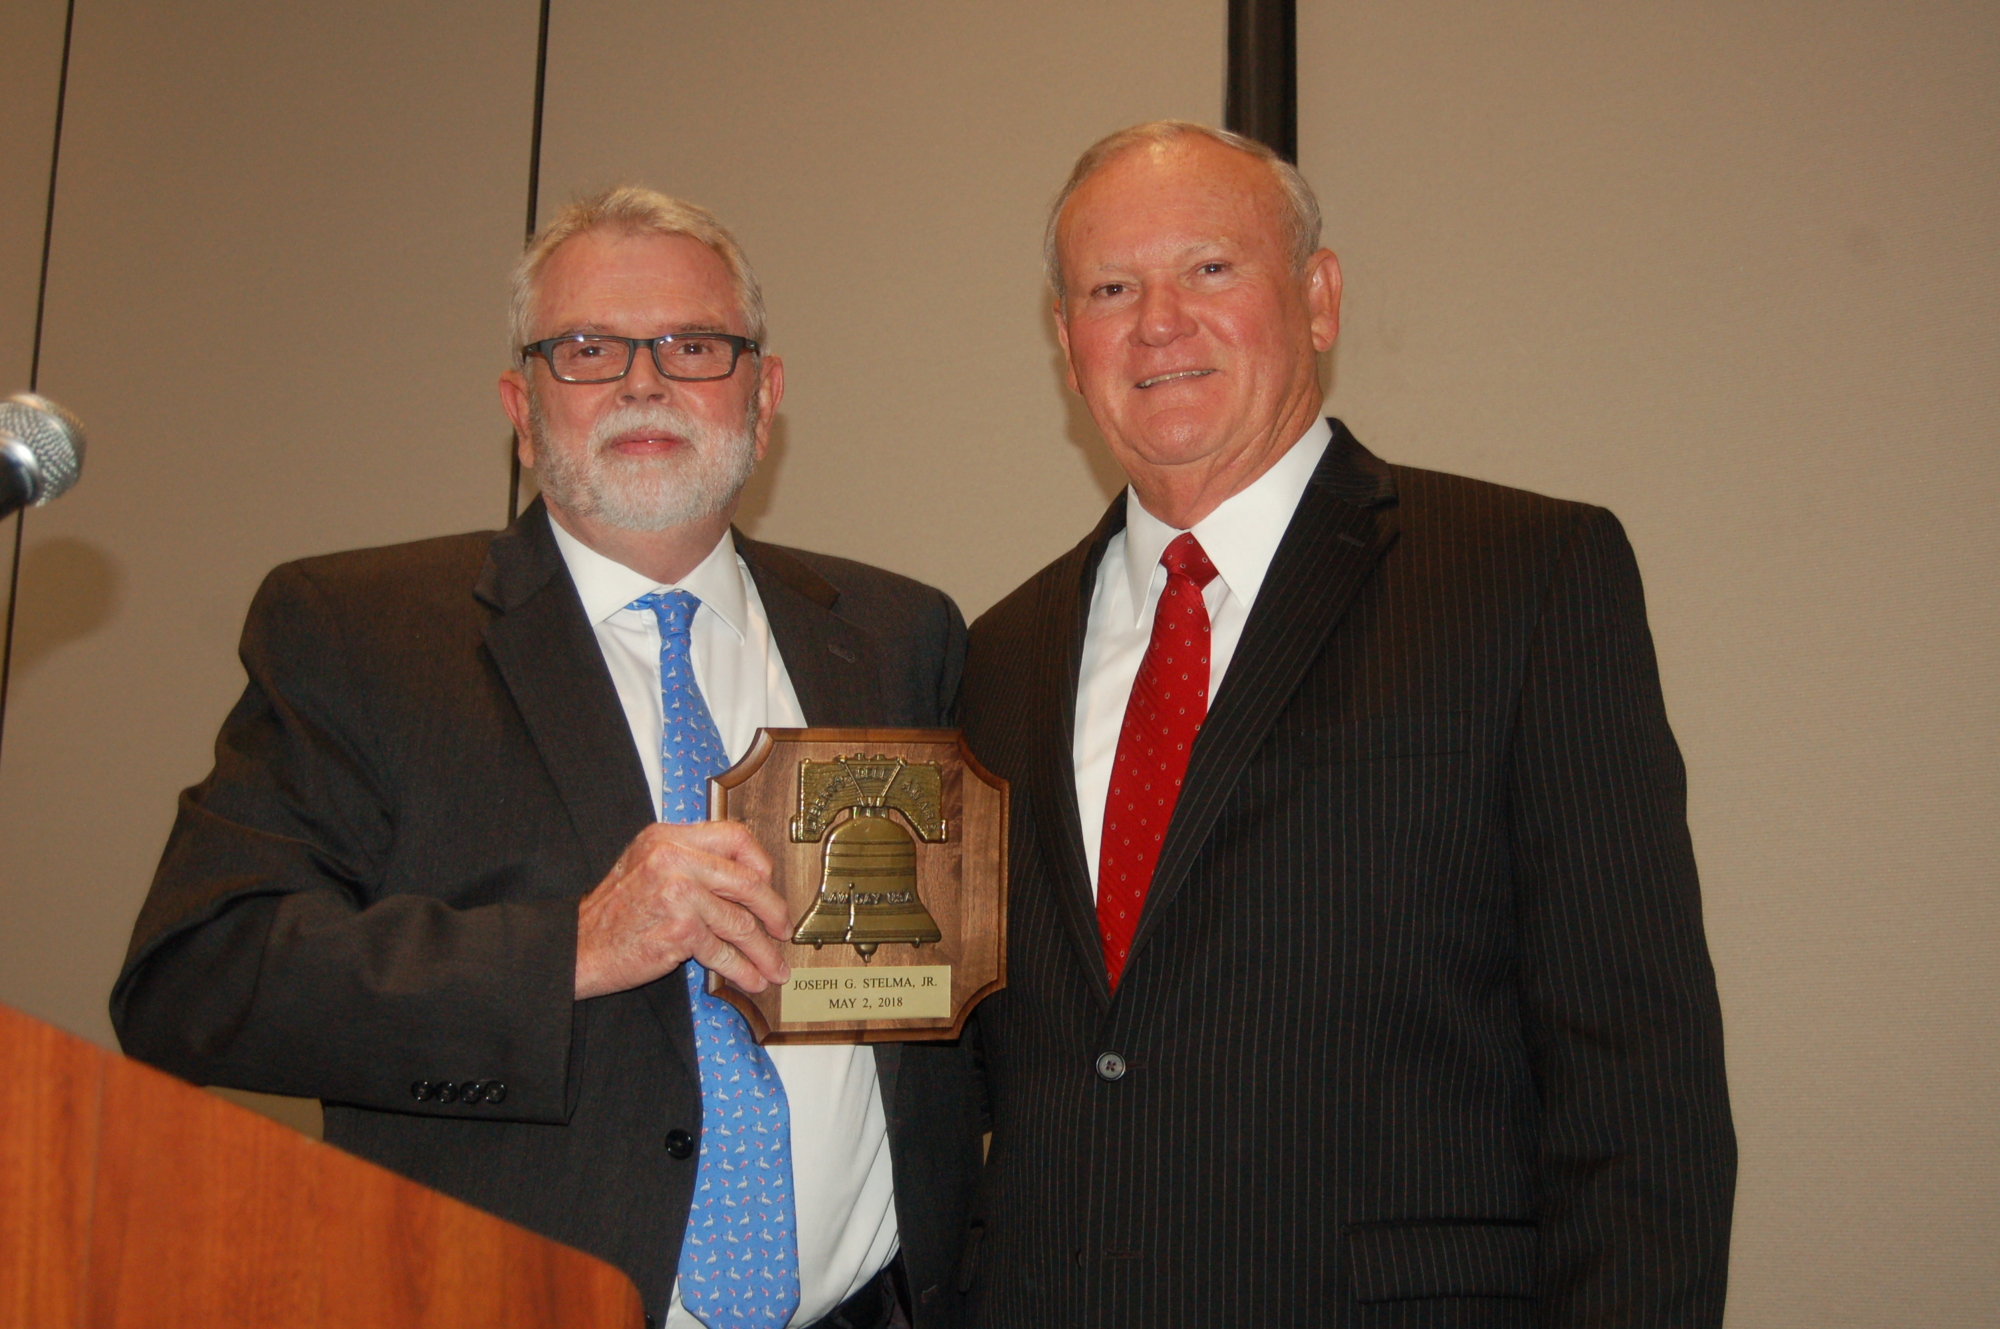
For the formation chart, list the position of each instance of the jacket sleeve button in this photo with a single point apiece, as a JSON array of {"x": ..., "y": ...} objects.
[
  {"x": 473, "y": 1091},
  {"x": 496, "y": 1092},
  {"x": 679, "y": 1143},
  {"x": 447, "y": 1092},
  {"x": 423, "y": 1091},
  {"x": 1110, "y": 1066}
]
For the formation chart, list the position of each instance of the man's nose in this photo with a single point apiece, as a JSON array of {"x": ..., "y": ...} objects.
[
  {"x": 644, "y": 381},
  {"x": 1163, "y": 314}
]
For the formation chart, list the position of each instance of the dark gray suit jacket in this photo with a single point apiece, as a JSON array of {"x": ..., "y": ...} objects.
[
  {"x": 1419, "y": 1023},
  {"x": 377, "y": 885}
]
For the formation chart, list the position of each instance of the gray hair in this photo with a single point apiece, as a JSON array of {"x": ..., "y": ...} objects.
[
  {"x": 635, "y": 211},
  {"x": 1300, "y": 207}
]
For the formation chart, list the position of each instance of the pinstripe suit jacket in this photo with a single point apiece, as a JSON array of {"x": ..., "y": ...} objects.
[{"x": 1419, "y": 1019}]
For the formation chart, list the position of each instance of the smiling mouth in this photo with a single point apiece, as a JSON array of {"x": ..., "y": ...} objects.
[{"x": 1158, "y": 379}]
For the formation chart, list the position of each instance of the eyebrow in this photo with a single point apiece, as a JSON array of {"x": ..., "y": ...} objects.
[
  {"x": 604, "y": 330},
  {"x": 1222, "y": 246}
]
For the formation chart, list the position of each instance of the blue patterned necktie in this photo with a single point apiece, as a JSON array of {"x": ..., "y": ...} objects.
[{"x": 740, "y": 1257}]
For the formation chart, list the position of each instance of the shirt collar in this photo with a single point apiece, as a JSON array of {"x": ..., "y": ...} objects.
[
  {"x": 1240, "y": 536},
  {"x": 606, "y": 586}
]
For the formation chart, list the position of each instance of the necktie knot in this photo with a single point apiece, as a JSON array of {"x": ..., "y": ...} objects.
[
  {"x": 1186, "y": 558},
  {"x": 674, "y": 609}
]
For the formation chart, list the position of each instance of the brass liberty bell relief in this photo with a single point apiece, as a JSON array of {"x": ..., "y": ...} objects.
[{"x": 868, "y": 877}]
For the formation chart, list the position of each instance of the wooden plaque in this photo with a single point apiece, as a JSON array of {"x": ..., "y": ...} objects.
[{"x": 890, "y": 848}]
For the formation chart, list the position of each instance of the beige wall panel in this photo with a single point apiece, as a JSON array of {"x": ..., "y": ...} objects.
[
  {"x": 887, "y": 166},
  {"x": 253, "y": 199},
  {"x": 1734, "y": 271},
  {"x": 31, "y": 35}
]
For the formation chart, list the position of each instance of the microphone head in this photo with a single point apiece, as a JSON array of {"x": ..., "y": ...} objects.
[{"x": 51, "y": 435}]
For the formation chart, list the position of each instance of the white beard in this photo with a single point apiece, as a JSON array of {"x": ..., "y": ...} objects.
[{"x": 645, "y": 493}]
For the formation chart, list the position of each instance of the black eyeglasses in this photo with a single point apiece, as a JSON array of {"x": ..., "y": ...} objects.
[{"x": 691, "y": 357}]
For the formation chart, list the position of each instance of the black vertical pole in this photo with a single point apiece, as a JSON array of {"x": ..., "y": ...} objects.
[
  {"x": 534, "y": 206},
  {"x": 35, "y": 361},
  {"x": 1262, "y": 101}
]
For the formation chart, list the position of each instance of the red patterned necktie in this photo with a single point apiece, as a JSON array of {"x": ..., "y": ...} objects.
[{"x": 1168, "y": 703}]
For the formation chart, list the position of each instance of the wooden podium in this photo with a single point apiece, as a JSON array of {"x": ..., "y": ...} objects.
[{"x": 128, "y": 1198}]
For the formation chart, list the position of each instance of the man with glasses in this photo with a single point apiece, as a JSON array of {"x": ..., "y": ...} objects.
[{"x": 451, "y": 873}]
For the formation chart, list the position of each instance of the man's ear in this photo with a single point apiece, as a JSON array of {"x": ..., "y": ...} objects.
[
  {"x": 770, "y": 391},
  {"x": 1062, "y": 335},
  {"x": 514, "y": 401},
  {"x": 1323, "y": 297}
]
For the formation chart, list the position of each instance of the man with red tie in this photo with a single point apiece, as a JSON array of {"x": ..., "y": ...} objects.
[{"x": 1356, "y": 967}]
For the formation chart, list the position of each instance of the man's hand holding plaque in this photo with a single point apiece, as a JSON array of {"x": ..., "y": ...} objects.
[{"x": 889, "y": 848}]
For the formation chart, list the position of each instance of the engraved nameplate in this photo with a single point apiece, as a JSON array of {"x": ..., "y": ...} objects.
[{"x": 905, "y": 991}]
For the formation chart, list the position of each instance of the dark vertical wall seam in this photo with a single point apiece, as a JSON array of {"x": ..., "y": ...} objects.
[
  {"x": 534, "y": 204},
  {"x": 35, "y": 357},
  {"x": 1262, "y": 97}
]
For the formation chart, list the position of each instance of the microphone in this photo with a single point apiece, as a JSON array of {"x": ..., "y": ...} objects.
[{"x": 41, "y": 451}]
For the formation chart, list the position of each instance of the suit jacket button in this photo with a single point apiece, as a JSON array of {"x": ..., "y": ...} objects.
[
  {"x": 447, "y": 1092},
  {"x": 1110, "y": 1066},
  {"x": 473, "y": 1091},
  {"x": 496, "y": 1092},
  {"x": 679, "y": 1143},
  {"x": 423, "y": 1091}
]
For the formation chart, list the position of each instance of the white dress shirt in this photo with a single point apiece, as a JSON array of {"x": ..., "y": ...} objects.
[
  {"x": 841, "y": 1180},
  {"x": 1239, "y": 537}
]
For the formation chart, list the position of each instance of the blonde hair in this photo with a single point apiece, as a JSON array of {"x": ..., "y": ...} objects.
[
  {"x": 1300, "y": 207},
  {"x": 640, "y": 211}
]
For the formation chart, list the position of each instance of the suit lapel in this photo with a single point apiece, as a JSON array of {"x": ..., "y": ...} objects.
[
  {"x": 831, "y": 663},
  {"x": 1343, "y": 525},
  {"x": 1058, "y": 654},
  {"x": 549, "y": 659},
  {"x": 548, "y": 656}
]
